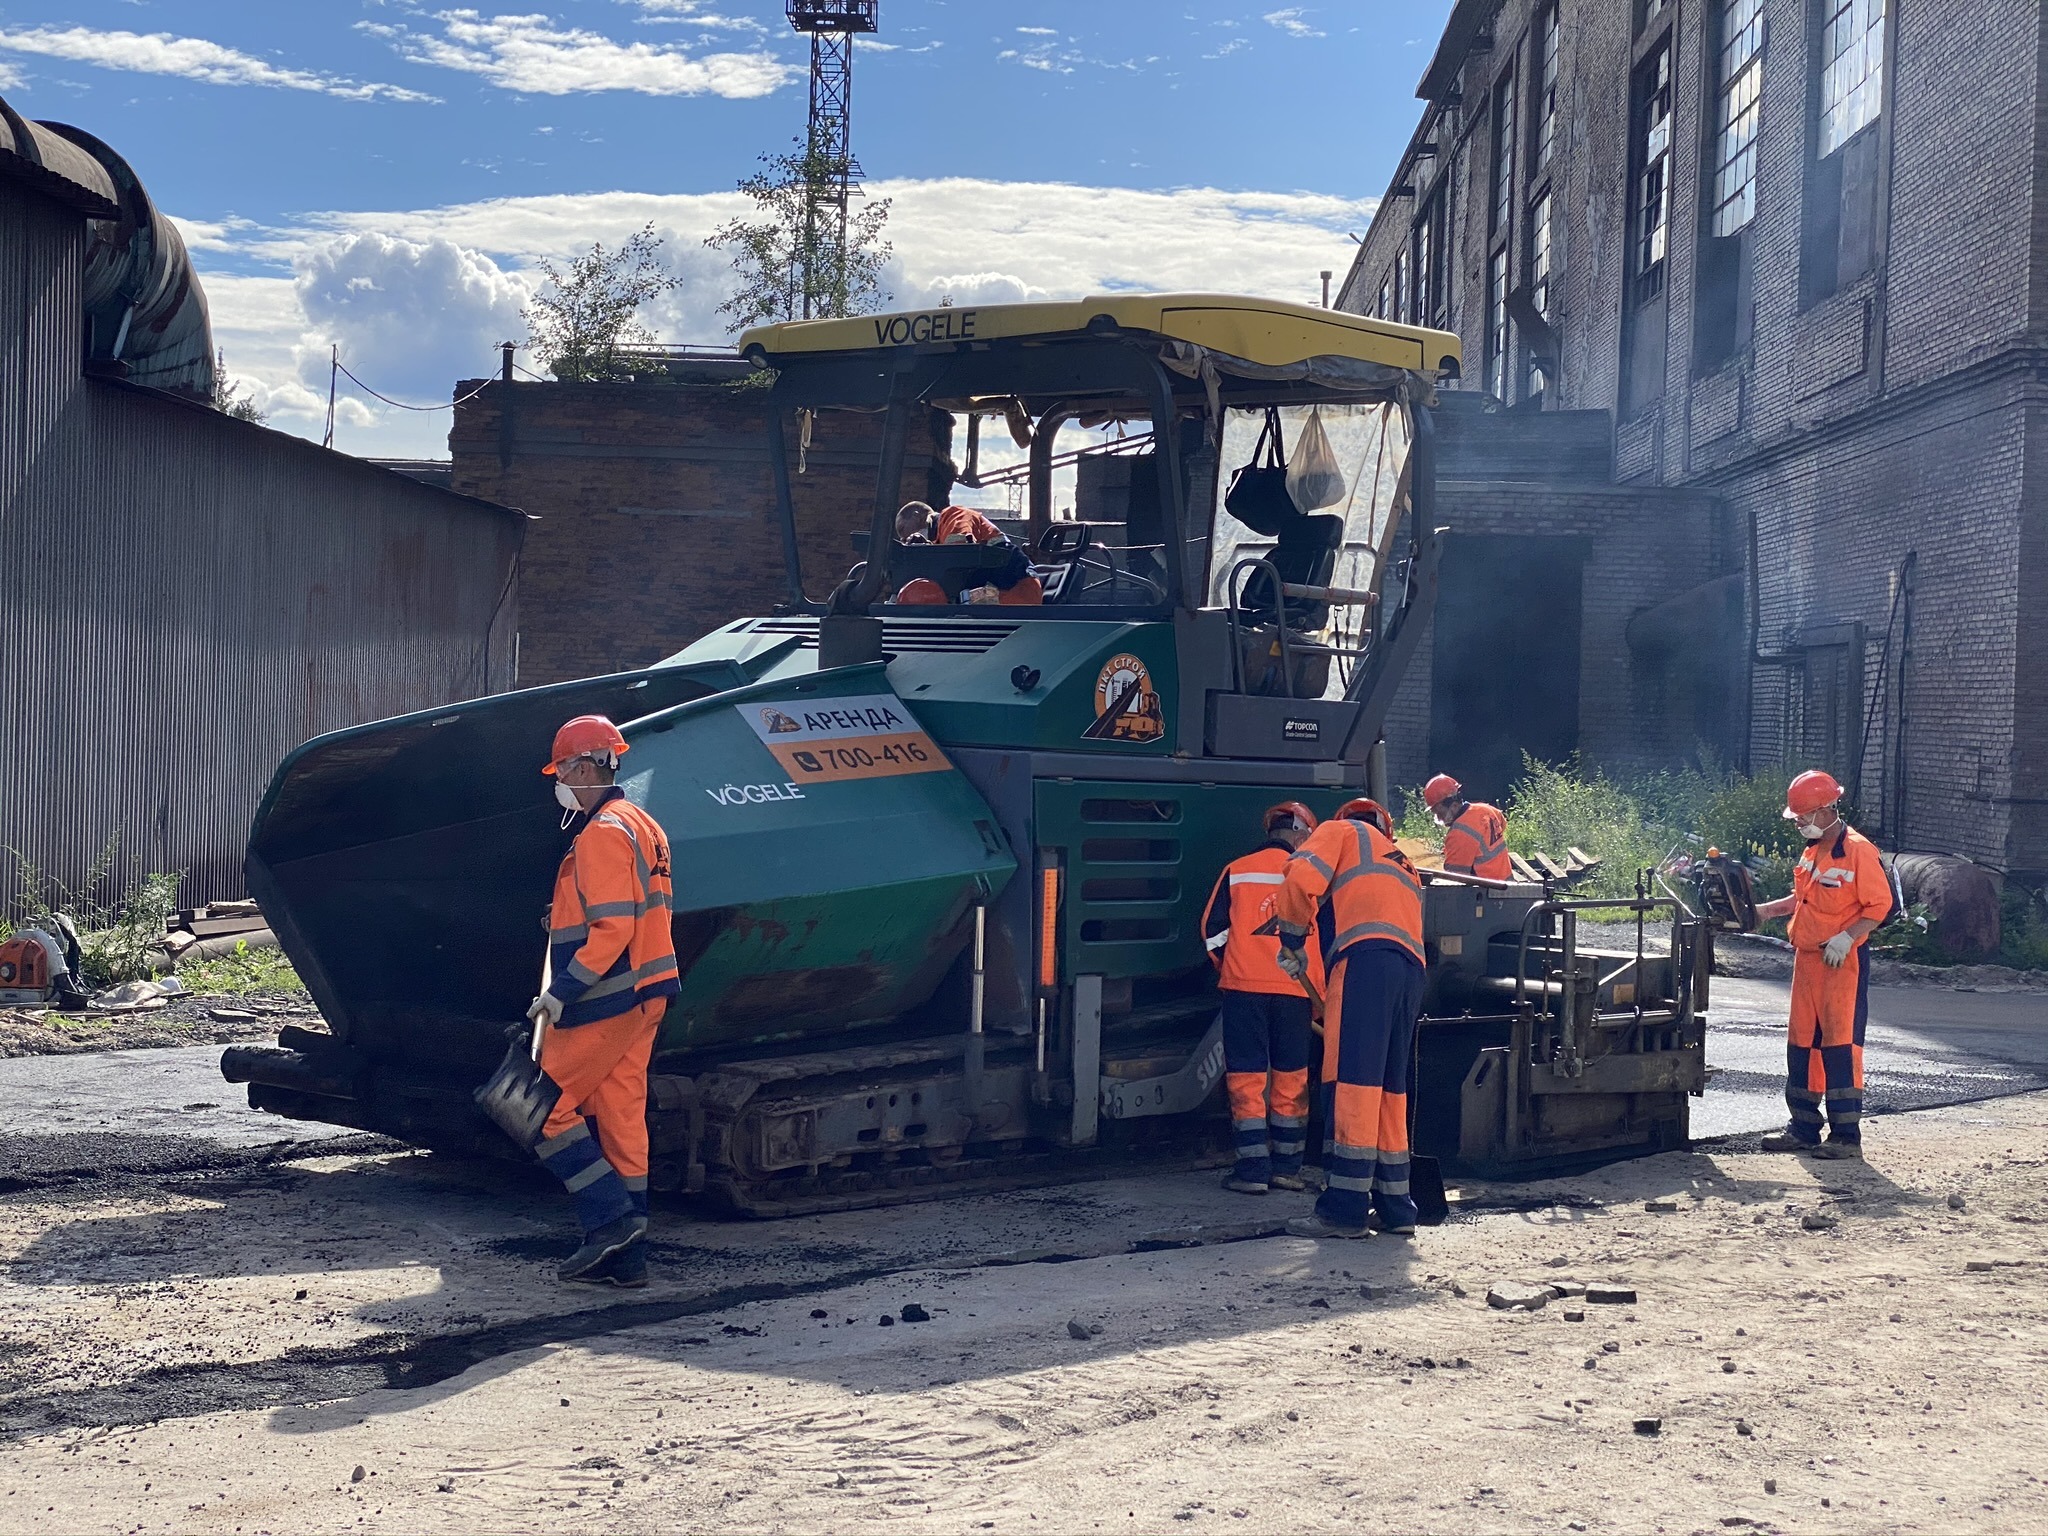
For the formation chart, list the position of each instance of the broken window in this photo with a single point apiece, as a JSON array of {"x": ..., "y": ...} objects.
[
  {"x": 1650, "y": 217},
  {"x": 1386, "y": 296},
  {"x": 1723, "y": 309},
  {"x": 1845, "y": 187},
  {"x": 1653, "y": 173},
  {"x": 1497, "y": 324},
  {"x": 1402, "y": 310},
  {"x": 1545, "y": 53},
  {"x": 1852, "y": 70},
  {"x": 1741, "y": 88},
  {"x": 1503, "y": 154},
  {"x": 1539, "y": 279}
]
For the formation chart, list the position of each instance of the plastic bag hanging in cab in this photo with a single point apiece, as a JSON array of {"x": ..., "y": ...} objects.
[{"x": 1313, "y": 478}]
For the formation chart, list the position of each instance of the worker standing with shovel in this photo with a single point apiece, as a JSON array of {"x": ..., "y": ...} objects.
[{"x": 612, "y": 970}]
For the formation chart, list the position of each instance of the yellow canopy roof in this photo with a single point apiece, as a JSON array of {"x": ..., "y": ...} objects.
[{"x": 1270, "y": 332}]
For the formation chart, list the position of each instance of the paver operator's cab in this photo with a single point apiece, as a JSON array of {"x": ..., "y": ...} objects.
[{"x": 940, "y": 867}]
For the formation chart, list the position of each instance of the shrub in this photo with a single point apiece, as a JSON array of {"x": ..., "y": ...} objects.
[
  {"x": 118, "y": 937},
  {"x": 244, "y": 971}
]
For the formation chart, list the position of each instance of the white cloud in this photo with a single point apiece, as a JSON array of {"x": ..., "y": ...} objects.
[
  {"x": 691, "y": 13},
  {"x": 1293, "y": 21},
  {"x": 1039, "y": 31},
  {"x": 191, "y": 58},
  {"x": 419, "y": 299},
  {"x": 535, "y": 55},
  {"x": 10, "y": 77}
]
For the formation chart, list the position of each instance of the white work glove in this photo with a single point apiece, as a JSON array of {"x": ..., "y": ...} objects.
[
  {"x": 545, "y": 1009},
  {"x": 981, "y": 596},
  {"x": 1836, "y": 950},
  {"x": 1294, "y": 962}
]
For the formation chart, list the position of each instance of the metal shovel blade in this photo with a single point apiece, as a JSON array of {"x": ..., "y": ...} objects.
[{"x": 518, "y": 1096}]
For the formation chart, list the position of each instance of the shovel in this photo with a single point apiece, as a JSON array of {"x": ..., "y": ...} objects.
[{"x": 518, "y": 1096}]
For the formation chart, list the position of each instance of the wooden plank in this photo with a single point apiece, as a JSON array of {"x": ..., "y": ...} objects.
[
  {"x": 219, "y": 927},
  {"x": 1550, "y": 867},
  {"x": 1523, "y": 869}
]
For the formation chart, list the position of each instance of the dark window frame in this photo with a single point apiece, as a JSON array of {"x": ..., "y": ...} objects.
[
  {"x": 1846, "y": 191},
  {"x": 1724, "y": 309}
]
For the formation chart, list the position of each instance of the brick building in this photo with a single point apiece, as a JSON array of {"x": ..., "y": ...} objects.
[
  {"x": 1795, "y": 252},
  {"x": 652, "y": 503}
]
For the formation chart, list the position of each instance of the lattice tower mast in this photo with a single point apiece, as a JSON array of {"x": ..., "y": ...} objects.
[{"x": 831, "y": 26}]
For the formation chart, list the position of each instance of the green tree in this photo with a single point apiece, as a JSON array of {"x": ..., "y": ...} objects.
[
  {"x": 590, "y": 310},
  {"x": 792, "y": 259},
  {"x": 229, "y": 399}
]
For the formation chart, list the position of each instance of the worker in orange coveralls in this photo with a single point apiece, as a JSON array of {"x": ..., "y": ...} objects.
[
  {"x": 1014, "y": 584},
  {"x": 1840, "y": 894},
  {"x": 1375, "y": 995},
  {"x": 612, "y": 970},
  {"x": 1266, "y": 1013},
  {"x": 1475, "y": 833}
]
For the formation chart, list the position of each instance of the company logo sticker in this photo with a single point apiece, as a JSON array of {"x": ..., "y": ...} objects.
[
  {"x": 1126, "y": 707},
  {"x": 870, "y": 736},
  {"x": 1301, "y": 730}
]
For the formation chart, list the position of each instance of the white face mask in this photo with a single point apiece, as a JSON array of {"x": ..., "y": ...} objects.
[
  {"x": 1813, "y": 832},
  {"x": 566, "y": 798}
]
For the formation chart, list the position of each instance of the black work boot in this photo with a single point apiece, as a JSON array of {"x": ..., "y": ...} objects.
[
  {"x": 601, "y": 1245},
  {"x": 626, "y": 1269}
]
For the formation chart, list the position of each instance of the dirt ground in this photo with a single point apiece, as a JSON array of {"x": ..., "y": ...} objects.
[
  {"x": 353, "y": 1341},
  {"x": 190, "y": 1020}
]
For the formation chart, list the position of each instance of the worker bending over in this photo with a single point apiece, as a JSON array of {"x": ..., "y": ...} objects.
[
  {"x": 1374, "y": 998},
  {"x": 612, "y": 970},
  {"x": 1013, "y": 584},
  {"x": 1266, "y": 1012},
  {"x": 1475, "y": 834},
  {"x": 1840, "y": 894}
]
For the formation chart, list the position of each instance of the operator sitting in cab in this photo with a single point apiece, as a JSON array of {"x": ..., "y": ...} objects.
[
  {"x": 1013, "y": 585},
  {"x": 612, "y": 970},
  {"x": 1475, "y": 834},
  {"x": 1267, "y": 1014},
  {"x": 1351, "y": 866}
]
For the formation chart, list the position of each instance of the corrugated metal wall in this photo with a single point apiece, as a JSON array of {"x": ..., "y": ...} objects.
[{"x": 185, "y": 598}]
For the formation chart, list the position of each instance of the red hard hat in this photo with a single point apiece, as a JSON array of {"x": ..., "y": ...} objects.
[
  {"x": 587, "y": 736},
  {"x": 1301, "y": 815},
  {"x": 922, "y": 590},
  {"x": 1441, "y": 788},
  {"x": 1363, "y": 809},
  {"x": 1811, "y": 791}
]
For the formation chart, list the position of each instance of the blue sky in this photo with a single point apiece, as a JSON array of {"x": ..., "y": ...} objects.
[{"x": 388, "y": 176}]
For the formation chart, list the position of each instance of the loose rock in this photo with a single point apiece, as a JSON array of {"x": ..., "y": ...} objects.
[
  {"x": 1611, "y": 1295},
  {"x": 1575, "y": 1315},
  {"x": 1816, "y": 1221},
  {"x": 1076, "y": 1329},
  {"x": 1660, "y": 1207},
  {"x": 1649, "y": 1426},
  {"x": 885, "y": 1321},
  {"x": 1770, "y": 1485},
  {"x": 1518, "y": 1296},
  {"x": 1728, "y": 1367},
  {"x": 913, "y": 1313},
  {"x": 1956, "y": 1202},
  {"x": 358, "y": 1475}
]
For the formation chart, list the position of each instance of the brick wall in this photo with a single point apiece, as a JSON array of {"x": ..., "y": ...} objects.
[
  {"x": 1895, "y": 414},
  {"x": 654, "y": 504}
]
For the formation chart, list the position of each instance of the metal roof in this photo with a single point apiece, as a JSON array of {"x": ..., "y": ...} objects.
[
  {"x": 1270, "y": 332},
  {"x": 50, "y": 164}
]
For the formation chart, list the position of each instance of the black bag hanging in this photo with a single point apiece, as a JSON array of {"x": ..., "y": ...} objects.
[{"x": 1258, "y": 492}]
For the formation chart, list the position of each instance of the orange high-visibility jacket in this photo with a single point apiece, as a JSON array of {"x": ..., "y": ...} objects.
[
  {"x": 1477, "y": 844},
  {"x": 1839, "y": 880},
  {"x": 1245, "y": 899},
  {"x": 1373, "y": 891},
  {"x": 608, "y": 934},
  {"x": 965, "y": 525}
]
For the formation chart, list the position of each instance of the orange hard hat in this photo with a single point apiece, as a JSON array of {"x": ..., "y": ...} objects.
[
  {"x": 1290, "y": 810},
  {"x": 1441, "y": 788},
  {"x": 1363, "y": 809},
  {"x": 1811, "y": 791},
  {"x": 591, "y": 736},
  {"x": 923, "y": 590}
]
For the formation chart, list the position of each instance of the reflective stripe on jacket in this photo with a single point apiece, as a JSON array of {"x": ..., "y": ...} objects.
[
  {"x": 1477, "y": 844},
  {"x": 609, "y": 943},
  {"x": 1838, "y": 881},
  {"x": 1246, "y": 899},
  {"x": 1372, "y": 890}
]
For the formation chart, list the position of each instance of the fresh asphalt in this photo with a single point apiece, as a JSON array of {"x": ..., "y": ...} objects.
[{"x": 1925, "y": 1047}]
